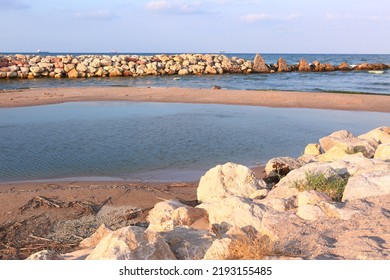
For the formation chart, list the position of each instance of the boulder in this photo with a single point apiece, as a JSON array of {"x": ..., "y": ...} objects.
[
  {"x": 346, "y": 139},
  {"x": 227, "y": 180},
  {"x": 132, "y": 243},
  {"x": 380, "y": 135},
  {"x": 67, "y": 67},
  {"x": 281, "y": 204},
  {"x": 310, "y": 212},
  {"x": 183, "y": 71},
  {"x": 259, "y": 65},
  {"x": 189, "y": 244},
  {"x": 282, "y": 65},
  {"x": 383, "y": 152},
  {"x": 73, "y": 73},
  {"x": 367, "y": 185},
  {"x": 344, "y": 67},
  {"x": 312, "y": 150},
  {"x": 166, "y": 215},
  {"x": 303, "y": 66},
  {"x": 336, "y": 152},
  {"x": 81, "y": 67},
  {"x": 311, "y": 197},
  {"x": 287, "y": 186},
  {"x": 329, "y": 141},
  {"x": 219, "y": 250},
  {"x": 106, "y": 62},
  {"x": 234, "y": 211},
  {"x": 46, "y": 255},
  {"x": 281, "y": 166},
  {"x": 95, "y": 238}
]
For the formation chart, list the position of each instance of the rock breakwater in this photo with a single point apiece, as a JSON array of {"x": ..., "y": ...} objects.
[{"x": 85, "y": 66}]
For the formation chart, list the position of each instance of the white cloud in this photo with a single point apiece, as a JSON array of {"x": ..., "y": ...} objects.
[
  {"x": 338, "y": 17},
  {"x": 256, "y": 17},
  {"x": 95, "y": 15},
  {"x": 263, "y": 16},
  {"x": 175, "y": 7}
]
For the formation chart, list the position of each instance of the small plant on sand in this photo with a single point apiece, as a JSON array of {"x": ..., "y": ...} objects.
[
  {"x": 253, "y": 246},
  {"x": 333, "y": 186}
]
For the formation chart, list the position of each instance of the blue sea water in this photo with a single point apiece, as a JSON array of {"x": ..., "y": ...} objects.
[
  {"x": 356, "y": 81},
  {"x": 157, "y": 141}
]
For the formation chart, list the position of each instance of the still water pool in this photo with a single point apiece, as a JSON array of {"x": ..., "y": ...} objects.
[{"x": 158, "y": 141}]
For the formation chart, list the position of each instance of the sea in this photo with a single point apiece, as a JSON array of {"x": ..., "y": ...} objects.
[{"x": 136, "y": 141}]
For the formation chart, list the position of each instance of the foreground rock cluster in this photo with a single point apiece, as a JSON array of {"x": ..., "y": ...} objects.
[
  {"x": 85, "y": 66},
  {"x": 300, "y": 224}
]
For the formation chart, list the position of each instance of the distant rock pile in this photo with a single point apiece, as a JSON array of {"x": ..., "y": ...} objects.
[
  {"x": 86, "y": 66},
  {"x": 301, "y": 223}
]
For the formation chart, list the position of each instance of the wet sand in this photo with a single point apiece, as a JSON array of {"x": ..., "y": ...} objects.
[{"x": 280, "y": 99}]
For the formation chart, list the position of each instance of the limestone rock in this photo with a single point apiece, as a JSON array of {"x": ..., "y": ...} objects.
[
  {"x": 68, "y": 67},
  {"x": 227, "y": 180},
  {"x": 328, "y": 142},
  {"x": 281, "y": 166},
  {"x": 344, "y": 67},
  {"x": 310, "y": 212},
  {"x": 189, "y": 244},
  {"x": 45, "y": 255},
  {"x": 95, "y": 238},
  {"x": 383, "y": 152},
  {"x": 183, "y": 71},
  {"x": 303, "y": 66},
  {"x": 234, "y": 211},
  {"x": 166, "y": 215},
  {"x": 367, "y": 185},
  {"x": 95, "y": 63},
  {"x": 311, "y": 197},
  {"x": 285, "y": 188},
  {"x": 312, "y": 150},
  {"x": 336, "y": 152},
  {"x": 132, "y": 243},
  {"x": 282, "y": 65},
  {"x": 73, "y": 73},
  {"x": 281, "y": 204},
  {"x": 219, "y": 250},
  {"x": 81, "y": 67},
  {"x": 347, "y": 139},
  {"x": 259, "y": 65},
  {"x": 160, "y": 217},
  {"x": 381, "y": 135}
]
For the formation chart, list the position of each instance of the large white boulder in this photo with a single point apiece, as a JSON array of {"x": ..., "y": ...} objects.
[
  {"x": 380, "y": 135},
  {"x": 287, "y": 186},
  {"x": 226, "y": 180},
  {"x": 369, "y": 184},
  {"x": 351, "y": 143},
  {"x": 132, "y": 243},
  {"x": 383, "y": 152},
  {"x": 189, "y": 244},
  {"x": 234, "y": 211},
  {"x": 166, "y": 215},
  {"x": 281, "y": 166}
]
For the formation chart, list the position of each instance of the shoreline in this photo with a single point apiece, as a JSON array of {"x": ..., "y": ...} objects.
[{"x": 276, "y": 99}]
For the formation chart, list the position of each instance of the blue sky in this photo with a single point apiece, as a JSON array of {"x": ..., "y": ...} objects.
[{"x": 247, "y": 26}]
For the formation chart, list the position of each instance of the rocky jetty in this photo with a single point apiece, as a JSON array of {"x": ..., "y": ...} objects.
[
  {"x": 86, "y": 66},
  {"x": 331, "y": 203}
]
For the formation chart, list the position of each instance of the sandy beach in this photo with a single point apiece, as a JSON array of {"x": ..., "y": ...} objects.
[{"x": 281, "y": 99}]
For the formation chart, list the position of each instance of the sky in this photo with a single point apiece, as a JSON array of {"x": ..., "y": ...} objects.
[{"x": 197, "y": 26}]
